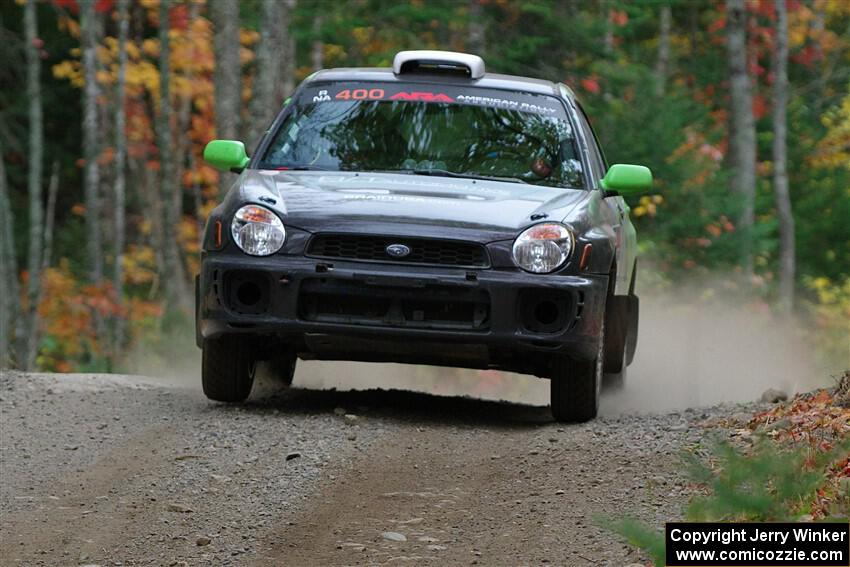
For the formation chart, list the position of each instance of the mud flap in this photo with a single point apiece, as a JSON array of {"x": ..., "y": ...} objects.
[
  {"x": 632, "y": 337},
  {"x": 198, "y": 339},
  {"x": 616, "y": 332}
]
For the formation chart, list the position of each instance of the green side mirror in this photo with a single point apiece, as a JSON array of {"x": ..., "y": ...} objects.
[
  {"x": 226, "y": 155},
  {"x": 627, "y": 179}
]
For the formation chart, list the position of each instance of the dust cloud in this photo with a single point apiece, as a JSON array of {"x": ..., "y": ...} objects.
[{"x": 691, "y": 352}]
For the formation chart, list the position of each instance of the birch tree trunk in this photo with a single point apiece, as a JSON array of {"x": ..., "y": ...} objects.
[
  {"x": 50, "y": 217},
  {"x": 287, "y": 63},
  {"x": 662, "y": 64},
  {"x": 266, "y": 76},
  {"x": 227, "y": 75},
  {"x": 476, "y": 28},
  {"x": 174, "y": 275},
  {"x": 9, "y": 300},
  {"x": 317, "y": 49},
  {"x": 742, "y": 126},
  {"x": 120, "y": 164},
  {"x": 780, "y": 160},
  {"x": 35, "y": 153},
  {"x": 120, "y": 171},
  {"x": 91, "y": 174}
]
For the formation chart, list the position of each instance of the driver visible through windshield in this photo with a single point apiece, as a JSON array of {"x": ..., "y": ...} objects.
[{"x": 457, "y": 132}]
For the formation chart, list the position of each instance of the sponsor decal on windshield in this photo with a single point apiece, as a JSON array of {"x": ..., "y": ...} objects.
[{"x": 447, "y": 94}]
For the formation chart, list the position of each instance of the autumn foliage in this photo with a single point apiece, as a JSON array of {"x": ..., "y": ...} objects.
[{"x": 669, "y": 111}]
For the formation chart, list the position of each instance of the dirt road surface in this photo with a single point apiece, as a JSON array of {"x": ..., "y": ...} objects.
[{"x": 123, "y": 470}]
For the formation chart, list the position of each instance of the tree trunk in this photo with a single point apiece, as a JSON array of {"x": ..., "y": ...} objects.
[
  {"x": 120, "y": 172},
  {"x": 10, "y": 298},
  {"x": 33, "y": 335},
  {"x": 477, "y": 36},
  {"x": 663, "y": 62},
  {"x": 89, "y": 32},
  {"x": 780, "y": 160},
  {"x": 317, "y": 50},
  {"x": 227, "y": 76},
  {"x": 185, "y": 157},
  {"x": 267, "y": 69},
  {"x": 91, "y": 174},
  {"x": 173, "y": 275},
  {"x": 287, "y": 63},
  {"x": 50, "y": 217},
  {"x": 34, "y": 178},
  {"x": 743, "y": 139}
]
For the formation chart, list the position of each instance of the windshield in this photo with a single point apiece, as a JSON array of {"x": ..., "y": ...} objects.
[{"x": 466, "y": 132}]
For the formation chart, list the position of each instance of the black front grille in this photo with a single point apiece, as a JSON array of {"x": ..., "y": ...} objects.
[
  {"x": 354, "y": 302},
  {"x": 422, "y": 250}
]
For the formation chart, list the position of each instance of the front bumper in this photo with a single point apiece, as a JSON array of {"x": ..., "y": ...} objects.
[{"x": 487, "y": 318}]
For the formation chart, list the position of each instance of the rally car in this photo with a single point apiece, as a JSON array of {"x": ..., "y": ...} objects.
[{"x": 431, "y": 213}]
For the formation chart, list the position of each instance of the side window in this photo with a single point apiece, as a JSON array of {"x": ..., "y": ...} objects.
[{"x": 597, "y": 162}]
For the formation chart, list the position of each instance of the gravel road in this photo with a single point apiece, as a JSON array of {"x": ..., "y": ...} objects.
[{"x": 125, "y": 470}]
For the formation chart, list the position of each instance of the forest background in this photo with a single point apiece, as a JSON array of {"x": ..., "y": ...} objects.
[{"x": 741, "y": 109}]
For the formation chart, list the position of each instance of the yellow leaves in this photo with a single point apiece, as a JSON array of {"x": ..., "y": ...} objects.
[
  {"x": 150, "y": 47},
  {"x": 143, "y": 74},
  {"x": 105, "y": 77},
  {"x": 647, "y": 205},
  {"x": 833, "y": 150},
  {"x": 334, "y": 54},
  {"x": 70, "y": 70},
  {"x": 70, "y": 25},
  {"x": 831, "y": 315},
  {"x": 139, "y": 265},
  {"x": 248, "y": 37}
]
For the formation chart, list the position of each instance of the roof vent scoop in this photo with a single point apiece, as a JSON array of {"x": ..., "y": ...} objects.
[{"x": 437, "y": 61}]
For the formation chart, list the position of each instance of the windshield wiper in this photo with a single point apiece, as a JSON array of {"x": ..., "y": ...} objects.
[
  {"x": 447, "y": 173},
  {"x": 298, "y": 168}
]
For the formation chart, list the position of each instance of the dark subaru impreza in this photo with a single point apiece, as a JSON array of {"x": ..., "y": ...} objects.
[{"x": 430, "y": 213}]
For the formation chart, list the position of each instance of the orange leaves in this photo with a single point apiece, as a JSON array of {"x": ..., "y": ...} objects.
[
  {"x": 820, "y": 421},
  {"x": 67, "y": 312},
  {"x": 591, "y": 84},
  {"x": 618, "y": 17}
]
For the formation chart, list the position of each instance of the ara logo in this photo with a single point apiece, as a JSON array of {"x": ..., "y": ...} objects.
[
  {"x": 423, "y": 96},
  {"x": 323, "y": 96},
  {"x": 397, "y": 250}
]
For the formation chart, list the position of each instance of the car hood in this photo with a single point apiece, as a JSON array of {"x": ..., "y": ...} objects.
[{"x": 388, "y": 203}]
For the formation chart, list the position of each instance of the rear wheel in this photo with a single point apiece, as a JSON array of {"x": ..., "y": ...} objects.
[
  {"x": 227, "y": 369},
  {"x": 575, "y": 386}
]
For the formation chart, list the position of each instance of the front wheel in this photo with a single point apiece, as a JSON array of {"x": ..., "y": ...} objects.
[
  {"x": 575, "y": 386},
  {"x": 227, "y": 369}
]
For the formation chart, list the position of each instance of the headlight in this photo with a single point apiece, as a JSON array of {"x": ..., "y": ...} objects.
[
  {"x": 543, "y": 248},
  {"x": 257, "y": 230}
]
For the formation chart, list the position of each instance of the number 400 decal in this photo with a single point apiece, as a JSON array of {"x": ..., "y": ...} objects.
[{"x": 360, "y": 94}]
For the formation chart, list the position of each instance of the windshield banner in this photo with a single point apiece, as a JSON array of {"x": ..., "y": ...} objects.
[{"x": 419, "y": 92}]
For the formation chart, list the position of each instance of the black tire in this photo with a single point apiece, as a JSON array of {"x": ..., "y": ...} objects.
[
  {"x": 575, "y": 386},
  {"x": 279, "y": 369},
  {"x": 227, "y": 369}
]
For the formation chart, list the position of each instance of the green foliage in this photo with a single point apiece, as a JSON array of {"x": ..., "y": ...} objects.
[
  {"x": 768, "y": 483},
  {"x": 640, "y": 536}
]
